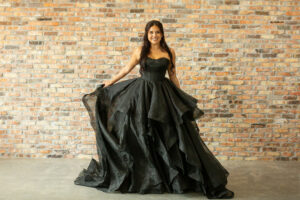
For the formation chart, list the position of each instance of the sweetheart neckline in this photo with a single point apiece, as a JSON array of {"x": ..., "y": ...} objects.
[{"x": 159, "y": 58}]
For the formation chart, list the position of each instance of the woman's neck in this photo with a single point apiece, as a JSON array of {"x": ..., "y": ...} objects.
[{"x": 155, "y": 47}]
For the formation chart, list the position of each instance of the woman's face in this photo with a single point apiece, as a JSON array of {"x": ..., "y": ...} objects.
[{"x": 154, "y": 35}]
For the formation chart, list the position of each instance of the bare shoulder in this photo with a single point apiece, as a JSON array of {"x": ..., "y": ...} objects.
[
  {"x": 138, "y": 49},
  {"x": 137, "y": 52},
  {"x": 172, "y": 51},
  {"x": 173, "y": 54}
]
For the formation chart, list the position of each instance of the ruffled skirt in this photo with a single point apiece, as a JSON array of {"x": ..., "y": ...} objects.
[{"x": 148, "y": 141}]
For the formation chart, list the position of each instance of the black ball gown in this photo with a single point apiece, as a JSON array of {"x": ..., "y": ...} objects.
[{"x": 147, "y": 138}]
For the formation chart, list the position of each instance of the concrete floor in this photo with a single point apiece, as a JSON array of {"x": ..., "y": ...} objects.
[{"x": 52, "y": 179}]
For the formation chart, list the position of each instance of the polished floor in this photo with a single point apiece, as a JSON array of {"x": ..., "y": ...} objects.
[{"x": 52, "y": 179}]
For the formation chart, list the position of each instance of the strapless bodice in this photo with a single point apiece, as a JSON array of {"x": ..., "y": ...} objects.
[{"x": 155, "y": 69}]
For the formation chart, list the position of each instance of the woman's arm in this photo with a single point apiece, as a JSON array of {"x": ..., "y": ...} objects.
[
  {"x": 134, "y": 60},
  {"x": 172, "y": 72}
]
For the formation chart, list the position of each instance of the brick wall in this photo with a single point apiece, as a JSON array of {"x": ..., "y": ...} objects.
[{"x": 245, "y": 52}]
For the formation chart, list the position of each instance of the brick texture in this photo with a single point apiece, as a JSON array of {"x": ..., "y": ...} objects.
[{"x": 246, "y": 53}]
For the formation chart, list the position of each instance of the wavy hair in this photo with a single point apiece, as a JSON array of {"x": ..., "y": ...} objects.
[{"x": 146, "y": 44}]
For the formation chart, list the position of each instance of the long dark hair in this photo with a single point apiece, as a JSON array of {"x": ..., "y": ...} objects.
[{"x": 146, "y": 44}]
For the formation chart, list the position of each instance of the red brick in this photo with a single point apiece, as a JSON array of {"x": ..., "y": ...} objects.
[{"x": 66, "y": 49}]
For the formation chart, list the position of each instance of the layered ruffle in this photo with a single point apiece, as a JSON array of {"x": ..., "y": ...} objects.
[{"x": 148, "y": 141}]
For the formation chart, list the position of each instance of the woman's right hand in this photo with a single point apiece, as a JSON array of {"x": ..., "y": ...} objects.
[{"x": 107, "y": 83}]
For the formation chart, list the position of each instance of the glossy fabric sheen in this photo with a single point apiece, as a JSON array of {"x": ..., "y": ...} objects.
[{"x": 147, "y": 138}]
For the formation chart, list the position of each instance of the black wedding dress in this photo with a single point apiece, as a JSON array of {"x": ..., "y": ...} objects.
[{"x": 147, "y": 138}]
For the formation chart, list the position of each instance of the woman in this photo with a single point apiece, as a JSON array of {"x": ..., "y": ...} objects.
[{"x": 146, "y": 134}]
